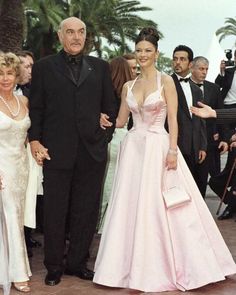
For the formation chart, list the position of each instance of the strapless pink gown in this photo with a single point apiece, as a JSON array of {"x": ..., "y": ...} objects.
[{"x": 145, "y": 246}]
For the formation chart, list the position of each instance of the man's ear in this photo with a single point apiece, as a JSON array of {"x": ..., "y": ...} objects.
[
  {"x": 190, "y": 65},
  {"x": 59, "y": 34}
]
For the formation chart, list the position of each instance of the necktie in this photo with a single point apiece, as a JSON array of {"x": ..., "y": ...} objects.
[
  {"x": 183, "y": 80},
  {"x": 198, "y": 84}
]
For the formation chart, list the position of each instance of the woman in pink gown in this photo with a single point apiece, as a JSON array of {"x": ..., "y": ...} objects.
[{"x": 144, "y": 245}]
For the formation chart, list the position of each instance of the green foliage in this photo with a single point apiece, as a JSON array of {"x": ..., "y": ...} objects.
[
  {"x": 116, "y": 21},
  {"x": 228, "y": 30},
  {"x": 164, "y": 64}
]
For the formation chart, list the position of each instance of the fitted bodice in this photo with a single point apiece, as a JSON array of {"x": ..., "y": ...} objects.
[{"x": 152, "y": 114}]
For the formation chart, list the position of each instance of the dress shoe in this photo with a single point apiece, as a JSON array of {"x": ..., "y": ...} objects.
[
  {"x": 53, "y": 278},
  {"x": 83, "y": 273},
  {"x": 227, "y": 214}
]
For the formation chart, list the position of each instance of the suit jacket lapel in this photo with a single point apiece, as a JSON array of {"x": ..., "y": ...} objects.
[
  {"x": 85, "y": 71},
  {"x": 206, "y": 93},
  {"x": 63, "y": 68},
  {"x": 181, "y": 96},
  {"x": 66, "y": 71},
  {"x": 196, "y": 95}
]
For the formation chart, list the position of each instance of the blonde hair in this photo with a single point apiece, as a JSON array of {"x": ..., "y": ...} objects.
[{"x": 10, "y": 60}]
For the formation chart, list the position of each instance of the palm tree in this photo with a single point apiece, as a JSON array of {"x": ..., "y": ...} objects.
[
  {"x": 164, "y": 64},
  {"x": 43, "y": 18},
  {"x": 228, "y": 30},
  {"x": 114, "y": 20},
  {"x": 11, "y": 25}
]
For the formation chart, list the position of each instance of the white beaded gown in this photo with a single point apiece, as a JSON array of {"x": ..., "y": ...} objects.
[
  {"x": 145, "y": 246},
  {"x": 14, "y": 264}
]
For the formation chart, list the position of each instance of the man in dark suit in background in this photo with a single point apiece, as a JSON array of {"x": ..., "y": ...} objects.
[
  {"x": 23, "y": 88},
  {"x": 192, "y": 138},
  {"x": 68, "y": 92},
  {"x": 216, "y": 137},
  {"x": 227, "y": 82},
  {"x": 222, "y": 116}
]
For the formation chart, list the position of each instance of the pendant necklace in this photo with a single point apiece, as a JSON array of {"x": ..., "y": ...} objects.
[{"x": 14, "y": 115}]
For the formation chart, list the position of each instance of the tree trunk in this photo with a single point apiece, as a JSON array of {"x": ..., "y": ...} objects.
[{"x": 11, "y": 25}]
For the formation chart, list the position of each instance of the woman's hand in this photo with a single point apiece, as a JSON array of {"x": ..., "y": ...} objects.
[
  {"x": 39, "y": 152},
  {"x": 171, "y": 161},
  {"x": 104, "y": 122}
]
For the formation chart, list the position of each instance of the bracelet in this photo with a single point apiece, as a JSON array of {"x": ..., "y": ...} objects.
[{"x": 173, "y": 151}]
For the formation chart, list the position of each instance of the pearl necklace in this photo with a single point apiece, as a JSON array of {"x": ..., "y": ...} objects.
[{"x": 14, "y": 115}]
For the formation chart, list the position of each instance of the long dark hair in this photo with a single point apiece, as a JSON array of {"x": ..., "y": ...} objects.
[{"x": 120, "y": 74}]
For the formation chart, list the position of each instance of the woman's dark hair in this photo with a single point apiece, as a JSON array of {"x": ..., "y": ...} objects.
[
  {"x": 120, "y": 74},
  {"x": 148, "y": 34}
]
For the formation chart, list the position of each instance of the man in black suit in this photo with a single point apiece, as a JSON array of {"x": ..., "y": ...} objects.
[
  {"x": 222, "y": 116},
  {"x": 192, "y": 139},
  {"x": 227, "y": 82},
  {"x": 68, "y": 92},
  {"x": 215, "y": 134}
]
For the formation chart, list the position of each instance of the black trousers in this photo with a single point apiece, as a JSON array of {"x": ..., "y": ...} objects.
[
  {"x": 214, "y": 159},
  {"x": 198, "y": 171},
  {"x": 218, "y": 182},
  {"x": 75, "y": 192}
]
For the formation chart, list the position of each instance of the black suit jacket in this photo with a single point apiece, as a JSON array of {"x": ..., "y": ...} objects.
[
  {"x": 63, "y": 113},
  {"x": 212, "y": 97},
  {"x": 192, "y": 130},
  {"x": 224, "y": 116},
  {"x": 225, "y": 81}
]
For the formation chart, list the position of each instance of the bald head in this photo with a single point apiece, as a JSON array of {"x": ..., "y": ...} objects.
[
  {"x": 69, "y": 20},
  {"x": 72, "y": 35}
]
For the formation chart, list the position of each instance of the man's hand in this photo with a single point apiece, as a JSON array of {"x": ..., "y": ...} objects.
[
  {"x": 104, "y": 122},
  {"x": 201, "y": 156},
  {"x": 39, "y": 152},
  {"x": 232, "y": 145},
  {"x": 233, "y": 138},
  {"x": 223, "y": 146},
  {"x": 204, "y": 112}
]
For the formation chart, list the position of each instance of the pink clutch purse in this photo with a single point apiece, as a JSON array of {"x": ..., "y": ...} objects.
[
  {"x": 175, "y": 197},
  {"x": 174, "y": 193}
]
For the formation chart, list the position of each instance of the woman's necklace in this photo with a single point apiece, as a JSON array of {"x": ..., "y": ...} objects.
[{"x": 14, "y": 115}]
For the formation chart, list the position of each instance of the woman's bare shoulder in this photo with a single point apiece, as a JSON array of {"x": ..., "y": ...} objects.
[{"x": 24, "y": 100}]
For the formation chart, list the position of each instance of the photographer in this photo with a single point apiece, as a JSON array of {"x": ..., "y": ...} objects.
[{"x": 227, "y": 81}]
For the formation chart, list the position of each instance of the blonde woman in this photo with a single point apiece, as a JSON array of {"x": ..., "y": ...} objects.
[{"x": 14, "y": 123}]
